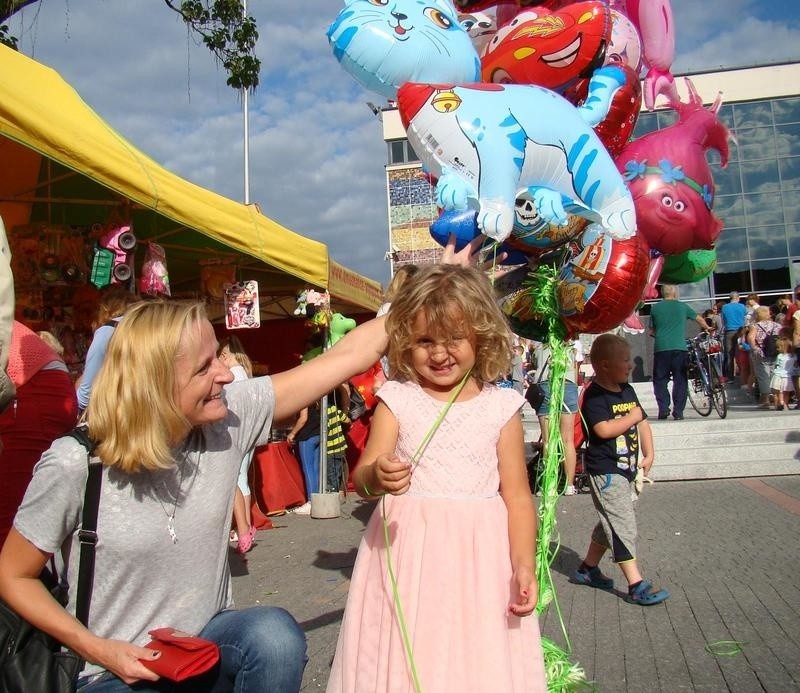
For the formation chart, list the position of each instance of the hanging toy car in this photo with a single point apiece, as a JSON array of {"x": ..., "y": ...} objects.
[{"x": 113, "y": 257}]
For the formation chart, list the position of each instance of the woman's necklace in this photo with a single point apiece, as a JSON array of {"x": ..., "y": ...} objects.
[{"x": 171, "y": 515}]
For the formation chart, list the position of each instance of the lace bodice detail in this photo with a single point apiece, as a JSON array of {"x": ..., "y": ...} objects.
[{"x": 461, "y": 457}]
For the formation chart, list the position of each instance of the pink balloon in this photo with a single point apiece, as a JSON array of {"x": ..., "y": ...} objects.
[{"x": 670, "y": 179}]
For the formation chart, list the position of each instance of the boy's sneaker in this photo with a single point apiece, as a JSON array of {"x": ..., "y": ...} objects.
[
  {"x": 593, "y": 578},
  {"x": 304, "y": 509},
  {"x": 570, "y": 491},
  {"x": 644, "y": 595}
]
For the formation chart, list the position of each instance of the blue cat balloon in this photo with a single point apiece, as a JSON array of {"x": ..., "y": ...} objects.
[
  {"x": 385, "y": 43},
  {"x": 486, "y": 143}
]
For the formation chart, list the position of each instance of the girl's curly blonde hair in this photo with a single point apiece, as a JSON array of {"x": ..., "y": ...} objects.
[{"x": 455, "y": 301}]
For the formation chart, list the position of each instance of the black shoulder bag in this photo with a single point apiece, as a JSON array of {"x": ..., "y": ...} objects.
[
  {"x": 535, "y": 394},
  {"x": 30, "y": 659}
]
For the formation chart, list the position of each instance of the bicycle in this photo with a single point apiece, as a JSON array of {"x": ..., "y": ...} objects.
[{"x": 706, "y": 388}]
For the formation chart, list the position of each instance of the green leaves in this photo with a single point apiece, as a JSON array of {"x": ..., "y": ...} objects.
[{"x": 228, "y": 34}]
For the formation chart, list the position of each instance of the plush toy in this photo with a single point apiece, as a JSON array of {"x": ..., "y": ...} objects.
[{"x": 338, "y": 327}]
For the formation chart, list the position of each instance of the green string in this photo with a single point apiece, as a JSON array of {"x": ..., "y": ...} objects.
[
  {"x": 725, "y": 648},
  {"x": 415, "y": 459}
]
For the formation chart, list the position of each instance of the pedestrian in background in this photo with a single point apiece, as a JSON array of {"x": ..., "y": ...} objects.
[
  {"x": 733, "y": 314},
  {"x": 763, "y": 359},
  {"x": 668, "y": 325},
  {"x": 44, "y": 407},
  {"x": 233, "y": 355}
]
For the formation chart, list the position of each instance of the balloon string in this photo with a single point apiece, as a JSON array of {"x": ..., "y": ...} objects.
[
  {"x": 415, "y": 459},
  {"x": 725, "y": 648}
]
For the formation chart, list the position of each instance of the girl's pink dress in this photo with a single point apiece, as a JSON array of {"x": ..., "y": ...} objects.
[{"x": 450, "y": 554}]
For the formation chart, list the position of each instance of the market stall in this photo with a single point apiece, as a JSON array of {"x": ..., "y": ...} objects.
[{"x": 71, "y": 186}]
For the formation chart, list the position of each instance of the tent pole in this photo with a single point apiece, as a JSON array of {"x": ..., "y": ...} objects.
[{"x": 246, "y": 130}]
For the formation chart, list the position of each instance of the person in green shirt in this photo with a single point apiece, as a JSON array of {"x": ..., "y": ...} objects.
[{"x": 668, "y": 325}]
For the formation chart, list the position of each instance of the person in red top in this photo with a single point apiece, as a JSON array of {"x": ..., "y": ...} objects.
[{"x": 44, "y": 408}]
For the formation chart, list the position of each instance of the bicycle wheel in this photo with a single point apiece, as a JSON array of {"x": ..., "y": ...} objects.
[
  {"x": 718, "y": 394},
  {"x": 698, "y": 393}
]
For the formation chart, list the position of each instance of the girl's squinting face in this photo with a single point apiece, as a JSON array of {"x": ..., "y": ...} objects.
[
  {"x": 440, "y": 362},
  {"x": 200, "y": 376}
]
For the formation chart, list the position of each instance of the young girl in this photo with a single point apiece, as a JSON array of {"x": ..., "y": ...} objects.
[
  {"x": 457, "y": 510},
  {"x": 781, "y": 381},
  {"x": 233, "y": 355}
]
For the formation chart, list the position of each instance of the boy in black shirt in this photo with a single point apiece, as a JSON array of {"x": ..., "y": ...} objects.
[{"x": 617, "y": 430}]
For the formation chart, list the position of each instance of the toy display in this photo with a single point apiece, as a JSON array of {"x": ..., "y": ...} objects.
[
  {"x": 242, "y": 309},
  {"x": 113, "y": 256}
]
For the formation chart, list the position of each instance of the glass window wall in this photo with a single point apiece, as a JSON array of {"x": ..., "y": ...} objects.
[{"x": 757, "y": 197}]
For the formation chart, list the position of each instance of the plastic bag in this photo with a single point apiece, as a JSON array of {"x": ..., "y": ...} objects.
[{"x": 154, "y": 279}]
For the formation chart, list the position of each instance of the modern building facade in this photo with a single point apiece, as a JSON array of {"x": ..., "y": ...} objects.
[{"x": 757, "y": 194}]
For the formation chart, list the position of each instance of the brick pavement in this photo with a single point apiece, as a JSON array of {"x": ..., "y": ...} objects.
[{"x": 727, "y": 550}]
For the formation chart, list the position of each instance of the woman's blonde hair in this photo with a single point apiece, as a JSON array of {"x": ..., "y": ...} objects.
[
  {"x": 455, "y": 301},
  {"x": 762, "y": 313},
  {"x": 114, "y": 301},
  {"x": 234, "y": 345},
  {"x": 403, "y": 273},
  {"x": 133, "y": 412}
]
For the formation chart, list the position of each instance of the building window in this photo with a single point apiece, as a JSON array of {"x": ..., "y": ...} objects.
[{"x": 401, "y": 152}]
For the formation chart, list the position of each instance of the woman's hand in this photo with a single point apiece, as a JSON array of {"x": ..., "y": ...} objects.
[
  {"x": 124, "y": 659},
  {"x": 527, "y": 592},
  {"x": 392, "y": 474}
]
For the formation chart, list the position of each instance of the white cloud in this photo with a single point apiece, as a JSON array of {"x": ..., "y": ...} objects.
[{"x": 317, "y": 154}]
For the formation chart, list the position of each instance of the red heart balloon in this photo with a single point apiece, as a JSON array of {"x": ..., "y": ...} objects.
[{"x": 551, "y": 49}]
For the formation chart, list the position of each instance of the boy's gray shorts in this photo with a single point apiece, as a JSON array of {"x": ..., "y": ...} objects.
[{"x": 614, "y": 496}]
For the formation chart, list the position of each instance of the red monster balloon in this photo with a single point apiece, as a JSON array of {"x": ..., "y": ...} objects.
[
  {"x": 549, "y": 49},
  {"x": 670, "y": 179},
  {"x": 602, "y": 282}
]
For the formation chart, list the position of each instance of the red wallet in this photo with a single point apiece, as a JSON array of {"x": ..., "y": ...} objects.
[{"x": 182, "y": 655}]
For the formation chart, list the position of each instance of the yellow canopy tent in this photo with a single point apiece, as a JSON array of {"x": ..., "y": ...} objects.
[{"x": 61, "y": 164}]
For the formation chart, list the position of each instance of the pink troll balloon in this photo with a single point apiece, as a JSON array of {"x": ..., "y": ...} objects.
[{"x": 670, "y": 179}]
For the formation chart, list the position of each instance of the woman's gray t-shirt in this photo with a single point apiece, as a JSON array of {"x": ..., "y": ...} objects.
[{"x": 143, "y": 580}]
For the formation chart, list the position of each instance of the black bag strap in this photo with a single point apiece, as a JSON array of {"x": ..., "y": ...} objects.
[
  {"x": 87, "y": 535},
  {"x": 544, "y": 368}
]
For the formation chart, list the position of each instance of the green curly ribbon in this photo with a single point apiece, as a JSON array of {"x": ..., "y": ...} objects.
[
  {"x": 725, "y": 648},
  {"x": 562, "y": 674}
]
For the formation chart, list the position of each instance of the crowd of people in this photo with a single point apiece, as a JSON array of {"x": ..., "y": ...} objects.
[
  {"x": 759, "y": 344},
  {"x": 174, "y": 417}
]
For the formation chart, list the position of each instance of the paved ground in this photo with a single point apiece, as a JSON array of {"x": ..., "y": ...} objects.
[{"x": 727, "y": 551}]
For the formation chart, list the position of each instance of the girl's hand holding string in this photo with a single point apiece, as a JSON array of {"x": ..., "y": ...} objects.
[
  {"x": 527, "y": 592},
  {"x": 392, "y": 474}
]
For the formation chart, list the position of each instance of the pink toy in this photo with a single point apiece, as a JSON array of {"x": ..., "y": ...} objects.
[
  {"x": 653, "y": 19},
  {"x": 670, "y": 179},
  {"x": 154, "y": 279}
]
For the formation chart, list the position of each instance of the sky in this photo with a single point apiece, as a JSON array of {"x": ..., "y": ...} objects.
[{"x": 317, "y": 155}]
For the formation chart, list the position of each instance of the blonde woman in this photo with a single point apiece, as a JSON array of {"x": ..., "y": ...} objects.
[{"x": 171, "y": 436}]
